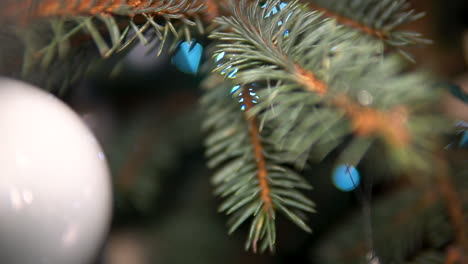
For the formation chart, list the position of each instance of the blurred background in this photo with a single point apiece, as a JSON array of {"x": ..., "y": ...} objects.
[{"x": 147, "y": 119}]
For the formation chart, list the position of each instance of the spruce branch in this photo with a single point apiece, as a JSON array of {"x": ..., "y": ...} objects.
[
  {"x": 181, "y": 9},
  {"x": 377, "y": 18},
  {"x": 335, "y": 82},
  {"x": 112, "y": 25},
  {"x": 252, "y": 179}
]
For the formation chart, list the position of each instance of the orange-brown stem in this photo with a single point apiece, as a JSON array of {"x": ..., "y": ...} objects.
[
  {"x": 212, "y": 9},
  {"x": 392, "y": 125},
  {"x": 309, "y": 80},
  {"x": 351, "y": 23},
  {"x": 259, "y": 156},
  {"x": 454, "y": 256},
  {"x": 52, "y": 8},
  {"x": 366, "y": 121}
]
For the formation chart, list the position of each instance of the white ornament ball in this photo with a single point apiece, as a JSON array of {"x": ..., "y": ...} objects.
[{"x": 55, "y": 189}]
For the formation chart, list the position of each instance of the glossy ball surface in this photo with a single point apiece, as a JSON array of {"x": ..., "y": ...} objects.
[{"x": 55, "y": 190}]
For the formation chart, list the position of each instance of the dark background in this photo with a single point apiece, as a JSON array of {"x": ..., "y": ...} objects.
[{"x": 147, "y": 120}]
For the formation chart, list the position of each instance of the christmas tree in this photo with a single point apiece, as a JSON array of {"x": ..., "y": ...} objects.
[{"x": 324, "y": 140}]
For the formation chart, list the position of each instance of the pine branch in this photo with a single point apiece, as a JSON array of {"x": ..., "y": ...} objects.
[
  {"x": 251, "y": 178},
  {"x": 113, "y": 26},
  {"x": 181, "y": 9},
  {"x": 334, "y": 82},
  {"x": 377, "y": 18},
  {"x": 350, "y": 22}
]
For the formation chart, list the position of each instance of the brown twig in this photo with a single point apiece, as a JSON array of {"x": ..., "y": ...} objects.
[
  {"x": 58, "y": 8},
  {"x": 259, "y": 155},
  {"x": 212, "y": 9},
  {"x": 350, "y": 23},
  {"x": 309, "y": 80},
  {"x": 392, "y": 124},
  {"x": 366, "y": 121},
  {"x": 454, "y": 256}
]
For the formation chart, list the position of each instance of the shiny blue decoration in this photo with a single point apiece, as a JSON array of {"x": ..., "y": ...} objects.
[
  {"x": 235, "y": 88},
  {"x": 233, "y": 73},
  {"x": 346, "y": 178},
  {"x": 226, "y": 70},
  {"x": 275, "y": 10},
  {"x": 253, "y": 95},
  {"x": 220, "y": 56},
  {"x": 187, "y": 57}
]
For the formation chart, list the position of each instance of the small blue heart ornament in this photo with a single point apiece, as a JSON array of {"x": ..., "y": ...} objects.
[
  {"x": 346, "y": 178},
  {"x": 187, "y": 57}
]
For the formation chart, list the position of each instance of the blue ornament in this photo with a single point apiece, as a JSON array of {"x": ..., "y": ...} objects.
[
  {"x": 346, "y": 178},
  {"x": 187, "y": 57}
]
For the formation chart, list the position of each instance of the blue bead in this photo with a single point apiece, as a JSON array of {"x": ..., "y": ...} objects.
[
  {"x": 225, "y": 70},
  {"x": 275, "y": 9},
  {"x": 282, "y": 5},
  {"x": 235, "y": 88},
  {"x": 187, "y": 57},
  {"x": 220, "y": 56},
  {"x": 233, "y": 73},
  {"x": 346, "y": 178}
]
